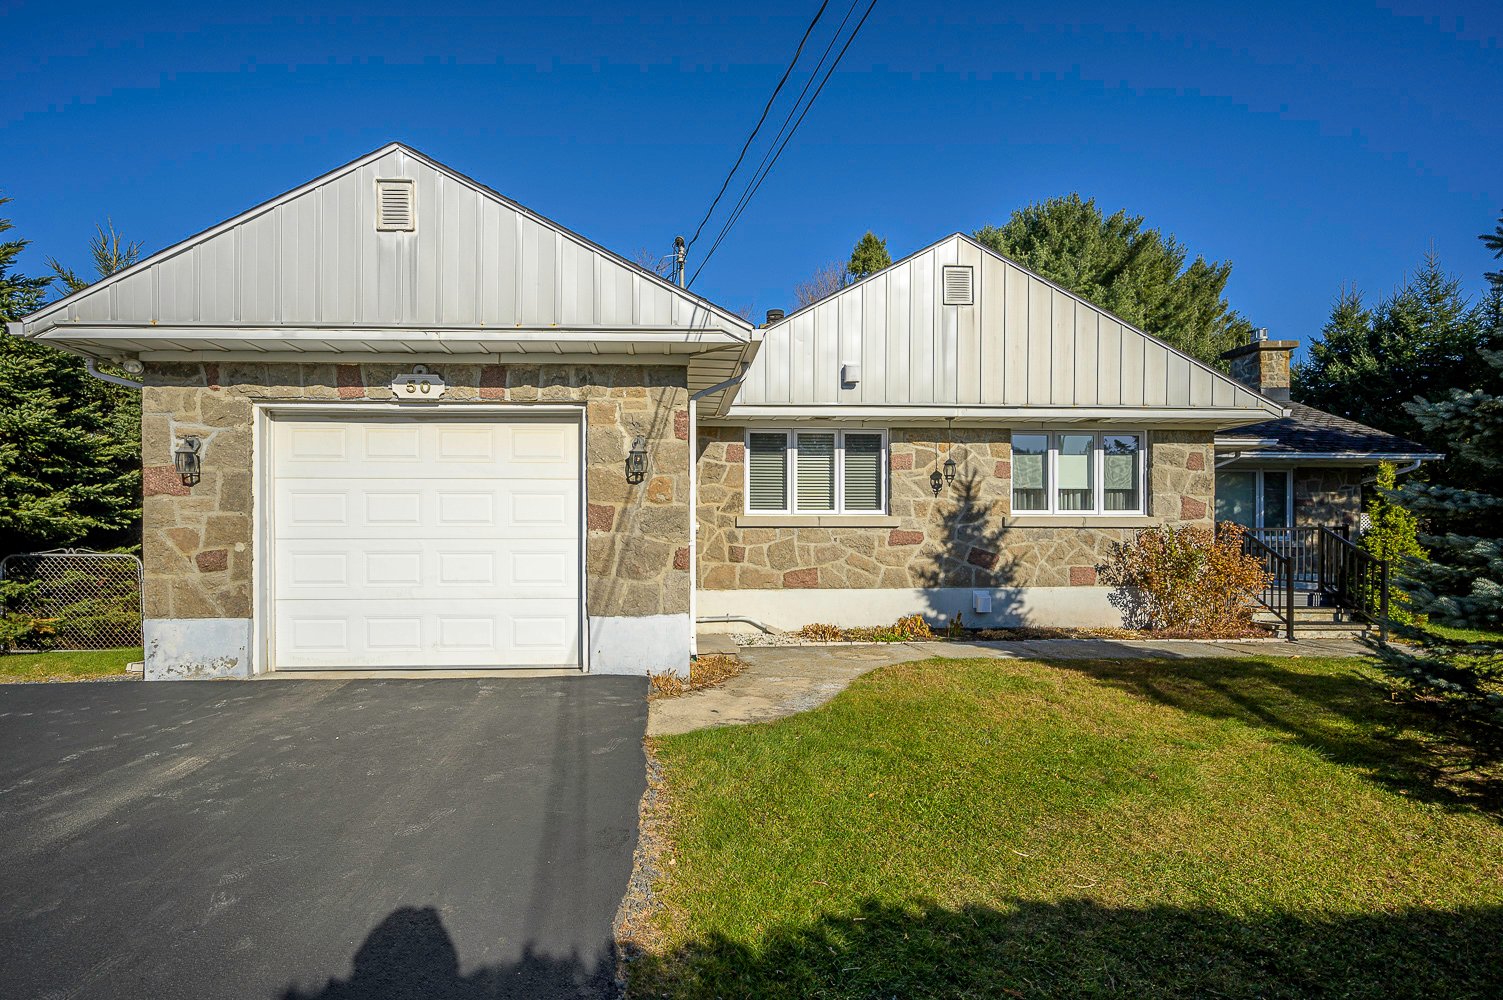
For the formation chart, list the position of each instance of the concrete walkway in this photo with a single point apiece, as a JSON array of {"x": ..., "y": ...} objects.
[{"x": 782, "y": 680}]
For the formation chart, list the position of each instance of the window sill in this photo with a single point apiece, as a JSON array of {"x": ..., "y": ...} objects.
[
  {"x": 816, "y": 521},
  {"x": 1081, "y": 521}
]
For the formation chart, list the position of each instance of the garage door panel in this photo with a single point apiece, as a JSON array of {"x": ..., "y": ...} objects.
[
  {"x": 329, "y": 568},
  {"x": 321, "y": 508},
  {"x": 426, "y": 542},
  {"x": 399, "y": 634},
  {"x": 382, "y": 450}
]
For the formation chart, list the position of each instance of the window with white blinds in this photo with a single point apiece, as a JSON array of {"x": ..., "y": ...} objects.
[
  {"x": 767, "y": 471},
  {"x": 816, "y": 472}
]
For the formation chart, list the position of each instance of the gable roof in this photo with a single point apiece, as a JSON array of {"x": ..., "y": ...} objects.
[
  {"x": 308, "y": 273},
  {"x": 1308, "y": 431},
  {"x": 1026, "y": 349}
]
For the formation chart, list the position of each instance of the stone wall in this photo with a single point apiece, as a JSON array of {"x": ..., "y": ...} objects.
[
  {"x": 962, "y": 538},
  {"x": 1328, "y": 497},
  {"x": 198, "y": 542}
]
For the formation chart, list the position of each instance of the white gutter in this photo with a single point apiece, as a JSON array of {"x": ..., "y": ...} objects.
[{"x": 694, "y": 399}]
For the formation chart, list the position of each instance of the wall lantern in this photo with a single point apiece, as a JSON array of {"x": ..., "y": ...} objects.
[
  {"x": 949, "y": 471},
  {"x": 185, "y": 458},
  {"x": 636, "y": 460},
  {"x": 936, "y": 482}
]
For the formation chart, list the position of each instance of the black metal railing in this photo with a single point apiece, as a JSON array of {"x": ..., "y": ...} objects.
[
  {"x": 1328, "y": 563},
  {"x": 1277, "y": 595}
]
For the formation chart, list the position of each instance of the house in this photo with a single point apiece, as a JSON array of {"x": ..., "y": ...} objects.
[
  {"x": 1302, "y": 470},
  {"x": 394, "y": 420}
]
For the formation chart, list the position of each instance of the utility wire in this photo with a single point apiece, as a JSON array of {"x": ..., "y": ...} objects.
[
  {"x": 725, "y": 230},
  {"x": 792, "y": 110},
  {"x": 747, "y": 145}
]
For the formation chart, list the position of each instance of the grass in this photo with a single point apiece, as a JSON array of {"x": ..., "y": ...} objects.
[
  {"x": 67, "y": 665},
  {"x": 1462, "y": 634},
  {"x": 993, "y": 828}
]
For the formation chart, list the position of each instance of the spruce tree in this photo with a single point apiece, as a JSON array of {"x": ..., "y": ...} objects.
[
  {"x": 69, "y": 443},
  {"x": 869, "y": 256},
  {"x": 1136, "y": 273},
  {"x": 1461, "y": 584}
]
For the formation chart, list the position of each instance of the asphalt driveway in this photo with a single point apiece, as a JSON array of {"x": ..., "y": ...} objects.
[{"x": 444, "y": 839}]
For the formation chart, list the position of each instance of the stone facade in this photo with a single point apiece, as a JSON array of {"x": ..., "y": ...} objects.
[
  {"x": 1330, "y": 497},
  {"x": 965, "y": 537},
  {"x": 198, "y": 542}
]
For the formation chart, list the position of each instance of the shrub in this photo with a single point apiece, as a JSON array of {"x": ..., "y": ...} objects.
[
  {"x": 820, "y": 632},
  {"x": 1392, "y": 534},
  {"x": 19, "y": 630},
  {"x": 1188, "y": 579}
]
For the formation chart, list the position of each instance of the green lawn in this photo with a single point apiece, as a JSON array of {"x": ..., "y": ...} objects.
[
  {"x": 66, "y": 666},
  {"x": 1463, "y": 634},
  {"x": 993, "y": 828}
]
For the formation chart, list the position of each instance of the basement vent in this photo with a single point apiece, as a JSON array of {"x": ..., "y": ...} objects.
[
  {"x": 957, "y": 280},
  {"x": 396, "y": 205}
]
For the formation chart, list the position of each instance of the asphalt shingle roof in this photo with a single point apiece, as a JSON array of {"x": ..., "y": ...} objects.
[{"x": 1307, "y": 429}]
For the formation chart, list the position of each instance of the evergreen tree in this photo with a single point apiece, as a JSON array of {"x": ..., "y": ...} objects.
[
  {"x": 69, "y": 443},
  {"x": 1392, "y": 535},
  {"x": 1138, "y": 274},
  {"x": 1422, "y": 341},
  {"x": 869, "y": 256},
  {"x": 1461, "y": 584}
]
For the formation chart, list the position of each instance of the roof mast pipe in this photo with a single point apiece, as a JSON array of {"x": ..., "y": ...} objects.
[{"x": 680, "y": 254}]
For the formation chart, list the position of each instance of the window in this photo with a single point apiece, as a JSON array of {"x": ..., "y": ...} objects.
[
  {"x": 1077, "y": 472},
  {"x": 1253, "y": 498},
  {"x": 816, "y": 472}
]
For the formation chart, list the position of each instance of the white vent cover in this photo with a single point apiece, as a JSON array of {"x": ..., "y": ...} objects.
[
  {"x": 957, "y": 281},
  {"x": 396, "y": 205}
]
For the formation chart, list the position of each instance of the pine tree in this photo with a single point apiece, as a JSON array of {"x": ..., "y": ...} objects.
[
  {"x": 869, "y": 256},
  {"x": 1138, "y": 274},
  {"x": 69, "y": 444}
]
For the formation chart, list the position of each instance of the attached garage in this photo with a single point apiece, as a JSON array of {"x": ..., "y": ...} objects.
[{"x": 406, "y": 541}]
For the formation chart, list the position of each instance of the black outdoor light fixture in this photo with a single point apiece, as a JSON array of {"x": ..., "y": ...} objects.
[
  {"x": 185, "y": 457},
  {"x": 938, "y": 482},
  {"x": 636, "y": 460}
]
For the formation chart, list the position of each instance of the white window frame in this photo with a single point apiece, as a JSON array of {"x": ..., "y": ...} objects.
[
  {"x": 790, "y": 486},
  {"x": 1258, "y": 506},
  {"x": 1098, "y": 467}
]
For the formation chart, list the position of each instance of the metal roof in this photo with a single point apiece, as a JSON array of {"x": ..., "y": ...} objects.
[{"x": 480, "y": 276}]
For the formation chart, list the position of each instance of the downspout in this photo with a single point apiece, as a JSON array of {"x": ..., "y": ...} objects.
[
  {"x": 90, "y": 365},
  {"x": 1402, "y": 470},
  {"x": 694, "y": 399}
]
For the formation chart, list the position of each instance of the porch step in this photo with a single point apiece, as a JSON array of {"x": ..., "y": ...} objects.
[{"x": 1320, "y": 622}]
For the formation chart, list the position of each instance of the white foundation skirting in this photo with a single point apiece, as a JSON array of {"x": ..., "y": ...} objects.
[
  {"x": 197, "y": 648},
  {"x": 652, "y": 644},
  {"x": 1070, "y": 607}
]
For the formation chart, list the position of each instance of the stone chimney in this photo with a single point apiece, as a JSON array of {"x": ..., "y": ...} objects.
[{"x": 1263, "y": 365}]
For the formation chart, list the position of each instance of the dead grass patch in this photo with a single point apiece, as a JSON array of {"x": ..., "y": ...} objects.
[{"x": 704, "y": 672}]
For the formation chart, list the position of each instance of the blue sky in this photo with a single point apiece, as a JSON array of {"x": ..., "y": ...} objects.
[{"x": 1312, "y": 147}]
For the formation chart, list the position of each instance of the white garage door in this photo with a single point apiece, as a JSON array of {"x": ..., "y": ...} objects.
[{"x": 411, "y": 541}]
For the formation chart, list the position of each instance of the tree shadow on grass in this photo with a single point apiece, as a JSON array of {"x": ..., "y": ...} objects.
[
  {"x": 1345, "y": 716},
  {"x": 1080, "y": 948}
]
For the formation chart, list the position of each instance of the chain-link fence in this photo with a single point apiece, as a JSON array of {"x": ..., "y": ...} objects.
[{"x": 78, "y": 599}]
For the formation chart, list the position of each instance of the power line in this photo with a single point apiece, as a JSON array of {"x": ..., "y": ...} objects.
[
  {"x": 752, "y": 191},
  {"x": 747, "y": 145},
  {"x": 792, "y": 110}
]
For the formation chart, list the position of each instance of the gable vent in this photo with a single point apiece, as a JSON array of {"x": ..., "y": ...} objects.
[
  {"x": 957, "y": 281},
  {"x": 396, "y": 208}
]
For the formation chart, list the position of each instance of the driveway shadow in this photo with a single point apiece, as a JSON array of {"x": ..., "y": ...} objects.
[{"x": 410, "y": 956}]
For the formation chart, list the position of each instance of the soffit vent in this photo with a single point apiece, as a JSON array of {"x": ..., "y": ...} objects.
[
  {"x": 957, "y": 282},
  {"x": 396, "y": 205}
]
